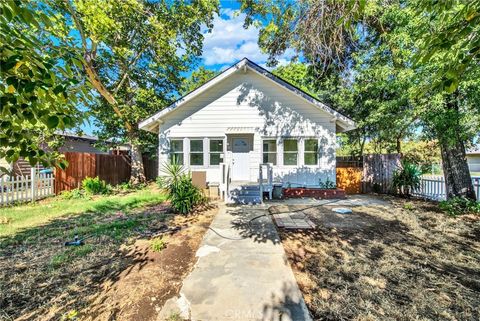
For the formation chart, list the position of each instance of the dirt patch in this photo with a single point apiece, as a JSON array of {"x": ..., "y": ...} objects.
[
  {"x": 115, "y": 276},
  {"x": 395, "y": 261}
]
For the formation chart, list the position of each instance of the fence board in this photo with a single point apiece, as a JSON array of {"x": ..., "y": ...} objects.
[
  {"x": 114, "y": 169},
  {"x": 378, "y": 172},
  {"x": 23, "y": 188},
  {"x": 349, "y": 179},
  {"x": 151, "y": 168},
  {"x": 433, "y": 187}
]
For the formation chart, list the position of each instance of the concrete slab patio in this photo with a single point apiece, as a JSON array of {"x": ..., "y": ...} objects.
[{"x": 242, "y": 273}]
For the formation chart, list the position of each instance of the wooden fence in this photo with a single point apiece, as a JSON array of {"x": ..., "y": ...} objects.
[
  {"x": 114, "y": 169},
  {"x": 433, "y": 187},
  {"x": 25, "y": 188},
  {"x": 378, "y": 172},
  {"x": 369, "y": 173}
]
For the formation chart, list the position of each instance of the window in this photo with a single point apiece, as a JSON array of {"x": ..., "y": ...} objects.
[
  {"x": 311, "y": 152},
  {"x": 176, "y": 151},
  {"x": 196, "y": 152},
  {"x": 216, "y": 149},
  {"x": 270, "y": 151},
  {"x": 290, "y": 152}
]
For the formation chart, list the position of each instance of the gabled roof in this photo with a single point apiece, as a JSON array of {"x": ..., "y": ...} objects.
[{"x": 342, "y": 121}]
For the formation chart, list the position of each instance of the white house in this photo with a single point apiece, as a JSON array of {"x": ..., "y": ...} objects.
[
  {"x": 246, "y": 117},
  {"x": 473, "y": 159}
]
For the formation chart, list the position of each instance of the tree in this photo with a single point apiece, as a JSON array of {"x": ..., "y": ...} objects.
[
  {"x": 40, "y": 84},
  {"x": 134, "y": 52},
  {"x": 408, "y": 90},
  {"x": 197, "y": 78}
]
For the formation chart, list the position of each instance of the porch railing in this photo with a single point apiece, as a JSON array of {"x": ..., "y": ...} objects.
[
  {"x": 266, "y": 185},
  {"x": 224, "y": 185}
]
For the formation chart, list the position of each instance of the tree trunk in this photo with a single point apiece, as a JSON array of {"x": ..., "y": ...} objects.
[
  {"x": 455, "y": 169},
  {"x": 137, "y": 175}
]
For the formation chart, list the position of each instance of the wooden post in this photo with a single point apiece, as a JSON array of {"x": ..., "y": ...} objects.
[{"x": 33, "y": 182}]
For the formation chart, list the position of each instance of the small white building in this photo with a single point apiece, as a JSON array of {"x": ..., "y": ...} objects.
[
  {"x": 246, "y": 119},
  {"x": 473, "y": 159}
]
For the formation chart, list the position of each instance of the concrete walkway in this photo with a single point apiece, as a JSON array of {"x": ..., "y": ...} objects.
[{"x": 242, "y": 273}]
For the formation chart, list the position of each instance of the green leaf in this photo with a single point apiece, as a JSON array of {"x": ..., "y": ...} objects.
[{"x": 53, "y": 121}]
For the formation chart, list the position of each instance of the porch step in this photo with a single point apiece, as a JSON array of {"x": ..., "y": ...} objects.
[{"x": 245, "y": 194}]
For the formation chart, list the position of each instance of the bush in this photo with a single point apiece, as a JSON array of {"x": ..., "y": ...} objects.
[
  {"x": 407, "y": 178},
  {"x": 183, "y": 195},
  {"x": 328, "y": 184},
  {"x": 460, "y": 205},
  {"x": 72, "y": 194},
  {"x": 95, "y": 186},
  {"x": 158, "y": 244}
]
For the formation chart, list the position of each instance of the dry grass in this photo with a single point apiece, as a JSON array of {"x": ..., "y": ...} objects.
[
  {"x": 114, "y": 276},
  {"x": 393, "y": 262}
]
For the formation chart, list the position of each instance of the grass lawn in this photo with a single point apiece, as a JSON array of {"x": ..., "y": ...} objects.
[
  {"x": 136, "y": 250},
  {"x": 20, "y": 217},
  {"x": 398, "y": 260}
]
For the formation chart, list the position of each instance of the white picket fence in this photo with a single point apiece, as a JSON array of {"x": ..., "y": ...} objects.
[
  {"x": 25, "y": 188},
  {"x": 433, "y": 187}
]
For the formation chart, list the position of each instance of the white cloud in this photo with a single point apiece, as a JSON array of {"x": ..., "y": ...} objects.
[{"x": 229, "y": 42}]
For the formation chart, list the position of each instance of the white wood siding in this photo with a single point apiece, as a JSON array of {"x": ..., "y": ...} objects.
[
  {"x": 250, "y": 100},
  {"x": 474, "y": 162}
]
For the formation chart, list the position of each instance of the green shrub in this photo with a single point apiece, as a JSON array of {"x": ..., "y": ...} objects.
[
  {"x": 94, "y": 186},
  {"x": 72, "y": 194},
  {"x": 183, "y": 195},
  {"x": 460, "y": 205},
  {"x": 158, "y": 244},
  {"x": 406, "y": 179},
  {"x": 160, "y": 181},
  {"x": 328, "y": 184}
]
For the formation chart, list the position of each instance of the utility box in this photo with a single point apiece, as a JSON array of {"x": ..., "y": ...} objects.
[
  {"x": 277, "y": 192},
  {"x": 199, "y": 179}
]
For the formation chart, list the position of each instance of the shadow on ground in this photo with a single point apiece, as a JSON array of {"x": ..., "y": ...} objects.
[
  {"x": 42, "y": 279},
  {"x": 387, "y": 262}
]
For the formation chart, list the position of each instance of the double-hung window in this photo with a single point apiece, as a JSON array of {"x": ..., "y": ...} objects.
[
  {"x": 176, "y": 151},
  {"x": 290, "y": 152},
  {"x": 270, "y": 151},
  {"x": 216, "y": 150},
  {"x": 311, "y": 152},
  {"x": 196, "y": 152}
]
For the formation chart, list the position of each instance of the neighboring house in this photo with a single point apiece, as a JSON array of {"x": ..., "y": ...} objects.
[
  {"x": 86, "y": 144},
  {"x": 72, "y": 143},
  {"x": 473, "y": 159},
  {"x": 245, "y": 117}
]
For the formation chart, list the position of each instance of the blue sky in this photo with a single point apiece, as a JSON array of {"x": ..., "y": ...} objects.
[{"x": 228, "y": 43}]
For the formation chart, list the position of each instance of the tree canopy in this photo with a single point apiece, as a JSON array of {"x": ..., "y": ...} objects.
[
  {"x": 402, "y": 66},
  {"x": 134, "y": 54},
  {"x": 41, "y": 83}
]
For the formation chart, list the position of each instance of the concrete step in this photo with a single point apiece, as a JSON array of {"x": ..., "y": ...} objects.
[
  {"x": 246, "y": 199},
  {"x": 244, "y": 192}
]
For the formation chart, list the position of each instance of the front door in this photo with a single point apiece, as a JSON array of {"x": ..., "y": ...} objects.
[{"x": 240, "y": 159}]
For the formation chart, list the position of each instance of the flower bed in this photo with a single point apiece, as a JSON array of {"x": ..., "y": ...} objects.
[{"x": 298, "y": 192}]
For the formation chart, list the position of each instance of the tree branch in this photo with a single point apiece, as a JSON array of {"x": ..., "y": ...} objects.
[
  {"x": 125, "y": 75},
  {"x": 95, "y": 80}
]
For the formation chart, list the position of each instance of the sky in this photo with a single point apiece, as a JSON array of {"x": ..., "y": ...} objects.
[{"x": 227, "y": 43}]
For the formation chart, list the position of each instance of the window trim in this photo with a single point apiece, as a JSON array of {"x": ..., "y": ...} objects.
[
  {"x": 210, "y": 139},
  {"x": 305, "y": 152},
  {"x": 266, "y": 152},
  {"x": 297, "y": 152},
  {"x": 196, "y": 152},
  {"x": 171, "y": 152}
]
